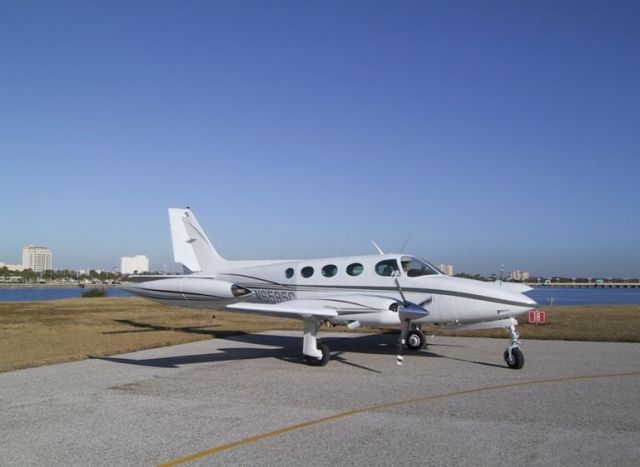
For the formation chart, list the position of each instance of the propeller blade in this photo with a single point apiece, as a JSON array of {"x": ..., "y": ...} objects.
[
  {"x": 403, "y": 340},
  {"x": 407, "y": 312},
  {"x": 395, "y": 279}
]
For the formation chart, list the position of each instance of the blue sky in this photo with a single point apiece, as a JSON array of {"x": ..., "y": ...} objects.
[{"x": 478, "y": 133}]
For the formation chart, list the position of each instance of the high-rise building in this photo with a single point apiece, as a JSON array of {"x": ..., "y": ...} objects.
[
  {"x": 446, "y": 268},
  {"x": 134, "y": 264},
  {"x": 37, "y": 258},
  {"x": 519, "y": 275}
]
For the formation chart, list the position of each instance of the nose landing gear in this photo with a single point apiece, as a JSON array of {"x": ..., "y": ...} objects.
[{"x": 513, "y": 355}]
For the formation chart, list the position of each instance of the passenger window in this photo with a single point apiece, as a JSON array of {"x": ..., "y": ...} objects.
[
  {"x": 354, "y": 269},
  {"x": 307, "y": 271},
  {"x": 387, "y": 267},
  {"x": 329, "y": 270},
  {"x": 289, "y": 273}
]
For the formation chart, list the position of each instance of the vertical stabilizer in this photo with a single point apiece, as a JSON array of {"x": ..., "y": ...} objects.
[{"x": 191, "y": 247}]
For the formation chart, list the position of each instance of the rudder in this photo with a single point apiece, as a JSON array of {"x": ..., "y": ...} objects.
[{"x": 191, "y": 247}]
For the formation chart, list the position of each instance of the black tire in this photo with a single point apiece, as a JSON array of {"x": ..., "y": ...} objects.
[
  {"x": 416, "y": 340},
  {"x": 322, "y": 361},
  {"x": 517, "y": 358}
]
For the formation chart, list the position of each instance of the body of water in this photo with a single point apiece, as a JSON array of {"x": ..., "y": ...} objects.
[
  {"x": 25, "y": 294},
  {"x": 543, "y": 295},
  {"x": 573, "y": 296}
]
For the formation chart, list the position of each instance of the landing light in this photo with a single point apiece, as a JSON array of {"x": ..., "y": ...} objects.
[{"x": 239, "y": 291}]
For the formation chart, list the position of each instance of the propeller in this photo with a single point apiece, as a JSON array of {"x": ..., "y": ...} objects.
[{"x": 407, "y": 312}]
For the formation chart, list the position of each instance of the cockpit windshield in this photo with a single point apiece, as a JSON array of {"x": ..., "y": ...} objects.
[{"x": 415, "y": 267}]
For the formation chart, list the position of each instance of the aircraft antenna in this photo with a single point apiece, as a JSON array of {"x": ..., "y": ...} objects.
[
  {"x": 377, "y": 247},
  {"x": 406, "y": 242}
]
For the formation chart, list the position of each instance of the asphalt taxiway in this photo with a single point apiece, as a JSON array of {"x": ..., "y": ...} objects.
[{"x": 249, "y": 400}]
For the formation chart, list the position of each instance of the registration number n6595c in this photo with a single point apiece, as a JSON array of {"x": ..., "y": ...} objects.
[{"x": 274, "y": 296}]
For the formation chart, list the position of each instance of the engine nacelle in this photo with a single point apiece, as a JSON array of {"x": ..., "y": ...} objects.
[
  {"x": 211, "y": 289},
  {"x": 369, "y": 310},
  {"x": 196, "y": 291},
  {"x": 376, "y": 319}
]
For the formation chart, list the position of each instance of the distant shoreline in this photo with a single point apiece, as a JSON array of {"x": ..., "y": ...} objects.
[
  {"x": 544, "y": 296},
  {"x": 56, "y": 286}
]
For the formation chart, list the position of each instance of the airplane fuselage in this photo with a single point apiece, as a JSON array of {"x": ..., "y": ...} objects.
[{"x": 451, "y": 299}]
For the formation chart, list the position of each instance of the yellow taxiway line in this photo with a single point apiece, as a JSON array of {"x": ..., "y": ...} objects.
[{"x": 299, "y": 426}]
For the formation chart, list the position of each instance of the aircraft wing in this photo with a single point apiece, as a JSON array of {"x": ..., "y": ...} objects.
[
  {"x": 320, "y": 308},
  {"x": 290, "y": 309}
]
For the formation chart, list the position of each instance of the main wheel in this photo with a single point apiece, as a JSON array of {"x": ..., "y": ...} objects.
[
  {"x": 517, "y": 358},
  {"x": 322, "y": 361},
  {"x": 416, "y": 340}
]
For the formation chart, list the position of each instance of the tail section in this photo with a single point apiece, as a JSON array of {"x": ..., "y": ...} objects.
[{"x": 191, "y": 247}]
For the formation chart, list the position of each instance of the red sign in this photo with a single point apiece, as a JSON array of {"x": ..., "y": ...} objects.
[{"x": 537, "y": 317}]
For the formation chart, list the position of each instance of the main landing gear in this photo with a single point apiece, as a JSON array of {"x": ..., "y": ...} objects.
[
  {"x": 318, "y": 354},
  {"x": 315, "y": 353},
  {"x": 513, "y": 355},
  {"x": 416, "y": 339},
  {"x": 323, "y": 360}
]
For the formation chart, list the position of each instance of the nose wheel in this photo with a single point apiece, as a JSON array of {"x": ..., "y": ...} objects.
[{"x": 513, "y": 356}]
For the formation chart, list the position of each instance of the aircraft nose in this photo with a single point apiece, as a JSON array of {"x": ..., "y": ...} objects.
[
  {"x": 520, "y": 303},
  {"x": 523, "y": 301},
  {"x": 528, "y": 300}
]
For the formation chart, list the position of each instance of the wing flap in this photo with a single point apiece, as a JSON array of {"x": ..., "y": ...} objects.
[{"x": 291, "y": 309}]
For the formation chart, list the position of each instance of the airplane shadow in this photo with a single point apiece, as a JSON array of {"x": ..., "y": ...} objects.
[
  {"x": 147, "y": 327},
  {"x": 230, "y": 354},
  {"x": 285, "y": 348},
  {"x": 475, "y": 362}
]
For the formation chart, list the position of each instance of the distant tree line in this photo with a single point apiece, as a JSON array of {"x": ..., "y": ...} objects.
[
  {"x": 29, "y": 276},
  {"x": 477, "y": 277},
  {"x": 583, "y": 280},
  {"x": 577, "y": 280}
]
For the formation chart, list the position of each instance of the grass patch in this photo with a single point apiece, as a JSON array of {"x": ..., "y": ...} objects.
[
  {"x": 38, "y": 333},
  {"x": 93, "y": 293},
  {"x": 606, "y": 323}
]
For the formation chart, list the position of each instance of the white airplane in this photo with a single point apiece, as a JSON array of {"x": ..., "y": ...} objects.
[{"x": 382, "y": 290}]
